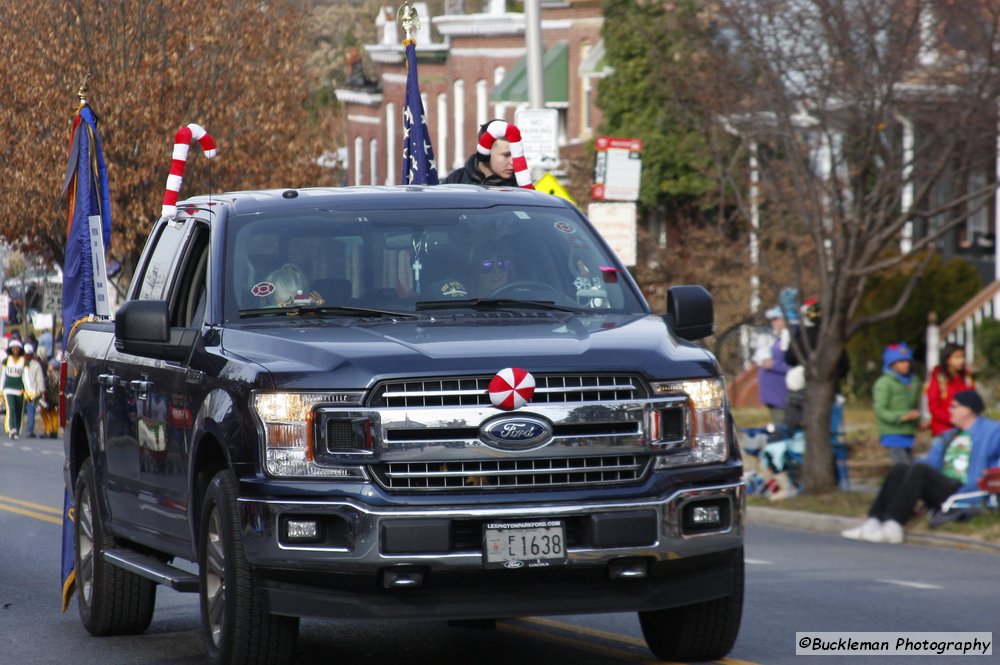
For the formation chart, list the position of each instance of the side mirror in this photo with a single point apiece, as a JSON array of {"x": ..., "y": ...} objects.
[
  {"x": 690, "y": 312},
  {"x": 143, "y": 321},
  {"x": 142, "y": 328}
]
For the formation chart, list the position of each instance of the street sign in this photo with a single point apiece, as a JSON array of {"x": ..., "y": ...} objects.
[
  {"x": 618, "y": 169},
  {"x": 102, "y": 304},
  {"x": 550, "y": 185},
  {"x": 616, "y": 224},
  {"x": 540, "y": 136}
]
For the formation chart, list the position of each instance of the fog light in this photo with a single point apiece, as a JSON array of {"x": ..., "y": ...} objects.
[
  {"x": 706, "y": 515},
  {"x": 302, "y": 529},
  {"x": 401, "y": 578},
  {"x": 624, "y": 569}
]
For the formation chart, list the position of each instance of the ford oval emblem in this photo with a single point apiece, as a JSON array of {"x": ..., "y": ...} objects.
[{"x": 514, "y": 434}]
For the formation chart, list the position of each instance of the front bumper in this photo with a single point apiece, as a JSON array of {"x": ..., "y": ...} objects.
[{"x": 438, "y": 550}]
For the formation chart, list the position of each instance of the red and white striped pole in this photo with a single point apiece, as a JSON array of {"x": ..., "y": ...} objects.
[{"x": 182, "y": 145}]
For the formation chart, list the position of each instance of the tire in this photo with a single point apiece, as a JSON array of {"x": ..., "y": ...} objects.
[
  {"x": 235, "y": 627},
  {"x": 112, "y": 601},
  {"x": 704, "y": 631}
]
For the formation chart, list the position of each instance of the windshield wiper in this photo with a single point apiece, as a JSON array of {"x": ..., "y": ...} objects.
[
  {"x": 325, "y": 309},
  {"x": 494, "y": 303}
]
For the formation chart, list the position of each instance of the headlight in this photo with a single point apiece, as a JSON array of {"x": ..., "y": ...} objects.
[
  {"x": 708, "y": 423},
  {"x": 288, "y": 433}
]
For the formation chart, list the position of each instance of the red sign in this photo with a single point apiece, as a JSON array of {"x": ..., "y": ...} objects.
[{"x": 618, "y": 169}]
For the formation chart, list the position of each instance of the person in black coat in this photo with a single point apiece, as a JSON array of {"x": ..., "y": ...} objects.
[{"x": 491, "y": 165}]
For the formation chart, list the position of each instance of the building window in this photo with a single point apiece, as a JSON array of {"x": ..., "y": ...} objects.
[
  {"x": 359, "y": 147},
  {"x": 392, "y": 155},
  {"x": 481, "y": 103},
  {"x": 373, "y": 162},
  {"x": 459, "y": 106},
  {"x": 441, "y": 151}
]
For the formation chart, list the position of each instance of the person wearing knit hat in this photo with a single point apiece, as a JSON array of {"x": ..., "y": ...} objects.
[
  {"x": 896, "y": 402},
  {"x": 954, "y": 465},
  {"x": 13, "y": 387},
  {"x": 498, "y": 161}
]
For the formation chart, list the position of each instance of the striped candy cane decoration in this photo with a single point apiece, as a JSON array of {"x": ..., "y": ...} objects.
[
  {"x": 182, "y": 145},
  {"x": 498, "y": 129}
]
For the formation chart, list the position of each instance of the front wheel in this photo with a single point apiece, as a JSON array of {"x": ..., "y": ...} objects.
[
  {"x": 704, "y": 631},
  {"x": 235, "y": 627},
  {"x": 112, "y": 601}
]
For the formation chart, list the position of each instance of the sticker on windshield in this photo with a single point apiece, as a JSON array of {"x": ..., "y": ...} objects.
[
  {"x": 565, "y": 227},
  {"x": 522, "y": 215},
  {"x": 454, "y": 289},
  {"x": 262, "y": 289}
]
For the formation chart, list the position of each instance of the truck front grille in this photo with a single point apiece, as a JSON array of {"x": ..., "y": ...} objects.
[
  {"x": 520, "y": 474},
  {"x": 473, "y": 391}
]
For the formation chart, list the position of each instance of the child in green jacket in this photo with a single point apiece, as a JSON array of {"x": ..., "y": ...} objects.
[{"x": 897, "y": 403}]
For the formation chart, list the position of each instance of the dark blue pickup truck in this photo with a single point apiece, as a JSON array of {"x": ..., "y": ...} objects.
[{"x": 393, "y": 403}]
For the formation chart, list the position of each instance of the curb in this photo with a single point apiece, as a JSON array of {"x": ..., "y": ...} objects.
[{"x": 796, "y": 519}]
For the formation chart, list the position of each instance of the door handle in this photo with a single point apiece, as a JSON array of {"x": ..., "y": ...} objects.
[
  {"x": 141, "y": 387},
  {"x": 108, "y": 381}
]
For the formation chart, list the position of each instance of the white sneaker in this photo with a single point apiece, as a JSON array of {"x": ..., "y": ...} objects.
[
  {"x": 892, "y": 532},
  {"x": 866, "y": 531}
]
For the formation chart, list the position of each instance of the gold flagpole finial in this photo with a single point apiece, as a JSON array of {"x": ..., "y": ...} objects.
[
  {"x": 408, "y": 18},
  {"x": 82, "y": 90}
]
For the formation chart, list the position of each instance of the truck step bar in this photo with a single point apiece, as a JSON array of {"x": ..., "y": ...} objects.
[{"x": 153, "y": 569}]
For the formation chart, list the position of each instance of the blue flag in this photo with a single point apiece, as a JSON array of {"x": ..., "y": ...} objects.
[
  {"x": 418, "y": 155},
  {"x": 86, "y": 185}
]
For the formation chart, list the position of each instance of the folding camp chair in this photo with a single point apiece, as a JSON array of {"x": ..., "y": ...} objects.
[{"x": 987, "y": 496}]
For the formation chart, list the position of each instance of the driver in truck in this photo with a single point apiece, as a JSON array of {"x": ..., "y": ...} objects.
[{"x": 490, "y": 267}]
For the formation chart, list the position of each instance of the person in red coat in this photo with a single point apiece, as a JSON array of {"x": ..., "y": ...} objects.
[{"x": 947, "y": 379}]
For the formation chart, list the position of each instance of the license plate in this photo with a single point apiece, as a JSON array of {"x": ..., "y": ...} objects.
[{"x": 534, "y": 544}]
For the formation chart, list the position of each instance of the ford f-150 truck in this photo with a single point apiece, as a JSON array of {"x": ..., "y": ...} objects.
[{"x": 400, "y": 403}]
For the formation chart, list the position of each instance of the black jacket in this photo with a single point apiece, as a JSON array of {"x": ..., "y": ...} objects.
[{"x": 471, "y": 175}]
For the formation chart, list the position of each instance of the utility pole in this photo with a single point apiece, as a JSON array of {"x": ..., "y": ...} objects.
[{"x": 533, "y": 43}]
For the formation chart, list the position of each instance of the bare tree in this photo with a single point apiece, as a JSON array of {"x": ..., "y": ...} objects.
[
  {"x": 235, "y": 67},
  {"x": 873, "y": 124}
]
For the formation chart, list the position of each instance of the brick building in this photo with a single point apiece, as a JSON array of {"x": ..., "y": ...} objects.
[{"x": 474, "y": 72}]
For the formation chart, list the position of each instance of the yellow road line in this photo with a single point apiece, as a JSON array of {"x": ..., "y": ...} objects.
[
  {"x": 30, "y": 513},
  {"x": 620, "y": 655},
  {"x": 29, "y": 504},
  {"x": 595, "y": 632}
]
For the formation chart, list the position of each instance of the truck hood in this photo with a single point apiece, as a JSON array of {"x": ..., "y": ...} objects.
[{"x": 355, "y": 353}]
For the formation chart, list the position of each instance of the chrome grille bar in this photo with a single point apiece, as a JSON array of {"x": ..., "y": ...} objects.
[
  {"x": 472, "y": 391},
  {"x": 563, "y": 472}
]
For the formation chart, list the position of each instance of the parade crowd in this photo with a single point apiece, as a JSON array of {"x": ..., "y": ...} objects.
[
  {"x": 30, "y": 385},
  {"x": 964, "y": 442}
]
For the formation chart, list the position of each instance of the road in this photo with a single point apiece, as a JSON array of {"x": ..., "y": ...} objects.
[{"x": 796, "y": 581}]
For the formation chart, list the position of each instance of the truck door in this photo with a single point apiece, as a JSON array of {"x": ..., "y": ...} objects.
[
  {"x": 171, "y": 391},
  {"x": 138, "y": 449}
]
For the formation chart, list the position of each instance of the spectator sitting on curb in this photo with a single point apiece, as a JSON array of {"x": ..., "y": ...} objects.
[{"x": 953, "y": 465}]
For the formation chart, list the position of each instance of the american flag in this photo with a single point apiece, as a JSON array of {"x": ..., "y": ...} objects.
[{"x": 419, "y": 167}]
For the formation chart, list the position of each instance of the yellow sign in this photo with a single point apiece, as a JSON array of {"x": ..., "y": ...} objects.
[{"x": 548, "y": 184}]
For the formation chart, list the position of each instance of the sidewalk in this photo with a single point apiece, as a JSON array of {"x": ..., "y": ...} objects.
[{"x": 834, "y": 524}]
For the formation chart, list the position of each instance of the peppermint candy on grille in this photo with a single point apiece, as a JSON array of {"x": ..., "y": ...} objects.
[
  {"x": 511, "y": 388},
  {"x": 182, "y": 145},
  {"x": 498, "y": 129}
]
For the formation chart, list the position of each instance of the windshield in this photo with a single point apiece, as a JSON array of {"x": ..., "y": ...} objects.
[{"x": 389, "y": 262}]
